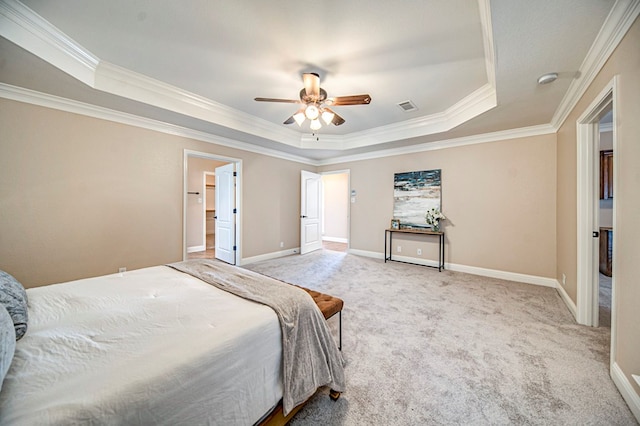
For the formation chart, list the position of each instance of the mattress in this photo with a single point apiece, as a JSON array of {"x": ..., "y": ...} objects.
[{"x": 151, "y": 346}]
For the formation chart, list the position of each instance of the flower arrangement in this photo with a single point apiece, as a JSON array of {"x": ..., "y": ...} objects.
[{"x": 433, "y": 218}]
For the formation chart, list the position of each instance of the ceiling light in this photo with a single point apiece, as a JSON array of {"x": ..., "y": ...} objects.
[
  {"x": 547, "y": 78},
  {"x": 299, "y": 117},
  {"x": 315, "y": 124},
  {"x": 327, "y": 116},
  {"x": 312, "y": 112}
]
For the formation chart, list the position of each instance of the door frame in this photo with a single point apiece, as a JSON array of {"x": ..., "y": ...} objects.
[
  {"x": 238, "y": 197},
  {"x": 588, "y": 209}
]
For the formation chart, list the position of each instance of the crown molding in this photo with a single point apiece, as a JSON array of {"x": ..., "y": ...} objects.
[
  {"x": 120, "y": 81},
  {"x": 33, "y": 97},
  {"x": 471, "y": 106},
  {"x": 30, "y": 31},
  {"x": 27, "y": 29},
  {"x": 543, "y": 129},
  {"x": 487, "y": 38},
  {"x": 20, "y": 94},
  {"x": 620, "y": 18},
  {"x": 605, "y": 127}
]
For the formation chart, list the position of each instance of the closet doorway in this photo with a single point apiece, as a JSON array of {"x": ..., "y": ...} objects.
[
  {"x": 209, "y": 211},
  {"x": 202, "y": 204}
]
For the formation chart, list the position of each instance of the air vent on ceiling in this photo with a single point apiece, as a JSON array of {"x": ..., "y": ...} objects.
[{"x": 407, "y": 106}]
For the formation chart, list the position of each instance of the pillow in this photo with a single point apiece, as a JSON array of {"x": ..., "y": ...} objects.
[
  {"x": 7, "y": 342},
  {"x": 14, "y": 299}
]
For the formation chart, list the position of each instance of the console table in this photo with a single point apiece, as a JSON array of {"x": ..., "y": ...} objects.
[{"x": 389, "y": 232}]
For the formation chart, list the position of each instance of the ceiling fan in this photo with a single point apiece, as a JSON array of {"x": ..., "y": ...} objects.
[{"x": 316, "y": 104}]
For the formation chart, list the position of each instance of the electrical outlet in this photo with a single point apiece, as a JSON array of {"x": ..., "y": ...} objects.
[
  {"x": 399, "y": 249},
  {"x": 564, "y": 279},
  {"x": 281, "y": 244},
  {"x": 122, "y": 270},
  {"x": 419, "y": 252}
]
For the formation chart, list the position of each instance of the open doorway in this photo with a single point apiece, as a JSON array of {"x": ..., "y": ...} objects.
[
  {"x": 201, "y": 201},
  {"x": 589, "y": 193},
  {"x": 336, "y": 210},
  {"x": 605, "y": 252}
]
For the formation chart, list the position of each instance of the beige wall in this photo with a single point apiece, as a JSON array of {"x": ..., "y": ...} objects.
[
  {"x": 625, "y": 63},
  {"x": 82, "y": 197},
  {"x": 499, "y": 199},
  {"x": 336, "y": 205},
  {"x": 272, "y": 207}
]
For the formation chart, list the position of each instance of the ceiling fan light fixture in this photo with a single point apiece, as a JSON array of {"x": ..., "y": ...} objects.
[
  {"x": 312, "y": 112},
  {"x": 315, "y": 124},
  {"x": 327, "y": 116},
  {"x": 299, "y": 117}
]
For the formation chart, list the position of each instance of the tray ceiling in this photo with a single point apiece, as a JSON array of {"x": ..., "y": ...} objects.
[{"x": 469, "y": 66}]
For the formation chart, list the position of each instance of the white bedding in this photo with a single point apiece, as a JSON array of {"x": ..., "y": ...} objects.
[{"x": 153, "y": 346}]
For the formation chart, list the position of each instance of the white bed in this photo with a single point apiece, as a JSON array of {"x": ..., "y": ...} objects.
[{"x": 170, "y": 350}]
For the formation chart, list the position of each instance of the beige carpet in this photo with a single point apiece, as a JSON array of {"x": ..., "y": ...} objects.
[{"x": 430, "y": 348}]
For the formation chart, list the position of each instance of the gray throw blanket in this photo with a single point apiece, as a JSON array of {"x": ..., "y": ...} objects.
[{"x": 310, "y": 356}]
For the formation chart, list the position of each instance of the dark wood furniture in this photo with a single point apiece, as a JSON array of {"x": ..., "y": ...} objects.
[
  {"x": 606, "y": 250},
  {"x": 606, "y": 174},
  {"x": 391, "y": 231}
]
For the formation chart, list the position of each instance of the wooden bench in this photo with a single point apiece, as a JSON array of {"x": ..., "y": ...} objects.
[{"x": 329, "y": 306}]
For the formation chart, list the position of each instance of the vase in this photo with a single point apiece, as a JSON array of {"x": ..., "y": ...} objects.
[{"x": 436, "y": 227}]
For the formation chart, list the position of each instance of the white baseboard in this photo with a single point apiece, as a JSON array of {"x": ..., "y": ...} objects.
[
  {"x": 504, "y": 275},
  {"x": 194, "y": 249},
  {"x": 365, "y": 253},
  {"x": 567, "y": 300},
  {"x": 335, "y": 239},
  {"x": 492, "y": 273},
  {"x": 269, "y": 256},
  {"x": 626, "y": 390}
]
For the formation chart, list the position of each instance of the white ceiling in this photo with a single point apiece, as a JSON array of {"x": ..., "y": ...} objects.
[{"x": 470, "y": 66}]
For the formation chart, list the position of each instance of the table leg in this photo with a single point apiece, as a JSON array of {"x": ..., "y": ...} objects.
[{"x": 385, "y": 246}]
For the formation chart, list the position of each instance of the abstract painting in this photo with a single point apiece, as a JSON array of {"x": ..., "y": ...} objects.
[{"x": 413, "y": 194}]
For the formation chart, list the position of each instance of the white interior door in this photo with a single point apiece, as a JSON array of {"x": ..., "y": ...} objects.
[
  {"x": 310, "y": 212},
  {"x": 225, "y": 239}
]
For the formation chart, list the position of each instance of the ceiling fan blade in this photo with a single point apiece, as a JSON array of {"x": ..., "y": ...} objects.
[
  {"x": 337, "y": 120},
  {"x": 289, "y": 120},
  {"x": 287, "y": 101},
  {"x": 312, "y": 85},
  {"x": 349, "y": 100}
]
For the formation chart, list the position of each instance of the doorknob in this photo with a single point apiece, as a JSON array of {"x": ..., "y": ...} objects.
[{"x": 302, "y": 217}]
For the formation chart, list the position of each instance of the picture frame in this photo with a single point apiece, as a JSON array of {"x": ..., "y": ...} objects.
[
  {"x": 414, "y": 193},
  {"x": 395, "y": 224}
]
